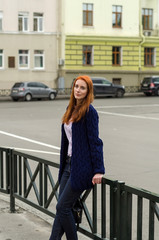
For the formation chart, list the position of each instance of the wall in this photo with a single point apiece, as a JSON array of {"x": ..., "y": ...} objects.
[{"x": 11, "y": 40}]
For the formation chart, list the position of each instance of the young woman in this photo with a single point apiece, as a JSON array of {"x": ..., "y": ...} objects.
[{"x": 81, "y": 156}]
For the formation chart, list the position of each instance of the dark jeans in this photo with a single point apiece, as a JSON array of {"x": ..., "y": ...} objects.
[{"x": 64, "y": 220}]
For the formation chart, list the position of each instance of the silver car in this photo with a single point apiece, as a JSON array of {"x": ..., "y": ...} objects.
[{"x": 30, "y": 90}]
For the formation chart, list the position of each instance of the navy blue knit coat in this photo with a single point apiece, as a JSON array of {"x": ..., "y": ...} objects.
[{"x": 87, "y": 151}]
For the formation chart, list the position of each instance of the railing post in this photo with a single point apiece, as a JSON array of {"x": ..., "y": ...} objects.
[
  {"x": 11, "y": 170},
  {"x": 94, "y": 199},
  {"x": 139, "y": 217},
  {"x": 8, "y": 180},
  {"x": 1, "y": 170},
  {"x": 103, "y": 210},
  {"x": 151, "y": 221},
  {"x": 129, "y": 215},
  {"x": 113, "y": 203},
  {"x": 123, "y": 213},
  {"x": 118, "y": 210}
]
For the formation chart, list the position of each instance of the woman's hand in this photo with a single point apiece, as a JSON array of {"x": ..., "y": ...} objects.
[{"x": 97, "y": 179}]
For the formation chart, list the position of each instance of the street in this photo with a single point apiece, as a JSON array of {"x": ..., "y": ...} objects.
[{"x": 127, "y": 126}]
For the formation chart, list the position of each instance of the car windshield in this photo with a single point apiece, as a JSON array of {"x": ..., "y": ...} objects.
[{"x": 17, "y": 85}]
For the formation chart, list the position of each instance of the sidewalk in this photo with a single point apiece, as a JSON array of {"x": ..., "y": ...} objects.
[
  {"x": 21, "y": 225},
  {"x": 24, "y": 224},
  {"x": 134, "y": 94}
]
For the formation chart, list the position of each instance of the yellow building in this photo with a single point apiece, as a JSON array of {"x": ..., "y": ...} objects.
[{"x": 112, "y": 38}]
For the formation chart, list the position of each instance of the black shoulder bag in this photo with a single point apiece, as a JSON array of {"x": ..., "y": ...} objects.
[{"x": 77, "y": 211}]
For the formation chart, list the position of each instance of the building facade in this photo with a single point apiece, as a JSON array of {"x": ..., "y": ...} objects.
[
  {"x": 28, "y": 42},
  {"x": 54, "y": 41},
  {"x": 112, "y": 38}
]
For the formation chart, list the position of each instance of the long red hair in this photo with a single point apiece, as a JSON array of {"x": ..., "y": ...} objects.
[{"x": 76, "y": 112}]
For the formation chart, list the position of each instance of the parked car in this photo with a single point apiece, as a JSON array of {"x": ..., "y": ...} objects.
[
  {"x": 104, "y": 87},
  {"x": 150, "y": 86},
  {"x": 30, "y": 90}
]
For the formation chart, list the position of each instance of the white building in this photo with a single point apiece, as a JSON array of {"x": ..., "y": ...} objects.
[{"x": 28, "y": 41}]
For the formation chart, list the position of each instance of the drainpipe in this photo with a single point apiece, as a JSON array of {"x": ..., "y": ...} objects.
[
  {"x": 141, "y": 36},
  {"x": 140, "y": 45}
]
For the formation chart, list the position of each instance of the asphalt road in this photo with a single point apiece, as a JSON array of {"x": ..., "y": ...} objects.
[{"x": 128, "y": 127}]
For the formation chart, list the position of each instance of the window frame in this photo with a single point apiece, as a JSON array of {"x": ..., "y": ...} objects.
[
  {"x": 84, "y": 54},
  {"x": 115, "y": 56},
  {"x": 24, "y": 55},
  {"x": 25, "y": 17},
  {"x": 146, "y": 19},
  {"x": 1, "y": 21},
  {"x": 2, "y": 56},
  {"x": 116, "y": 13},
  {"x": 43, "y": 59},
  {"x": 151, "y": 55},
  {"x": 38, "y": 23},
  {"x": 87, "y": 12}
]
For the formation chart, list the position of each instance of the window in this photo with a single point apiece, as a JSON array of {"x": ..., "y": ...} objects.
[
  {"x": 116, "y": 56},
  {"x": 87, "y": 55},
  {"x": 39, "y": 59},
  {"x": 23, "y": 59},
  {"x": 117, "y": 16},
  {"x": 149, "y": 57},
  {"x": 1, "y": 19},
  {"x": 106, "y": 82},
  {"x": 38, "y": 22},
  {"x": 87, "y": 14},
  {"x": 97, "y": 81},
  {"x": 117, "y": 81},
  {"x": 23, "y": 22},
  {"x": 1, "y": 58},
  {"x": 11, "y": 62},
  {"x": 32, "y": 85},
  {"x": 147, "y": 15}
]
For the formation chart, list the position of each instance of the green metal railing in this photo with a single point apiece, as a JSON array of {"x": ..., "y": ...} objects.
[{"x": 112, "y": 210}]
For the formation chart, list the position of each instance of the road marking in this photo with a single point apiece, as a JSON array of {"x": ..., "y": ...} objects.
[
  {"x": 29, "y": 140},
  {"x": 128, "y": 106},
  {"x": 130, "y": 116}
]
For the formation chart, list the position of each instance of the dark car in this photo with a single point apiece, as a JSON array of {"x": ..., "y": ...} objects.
[
  {"x": 104, "y": 87},
  {"x": 150, "y": 86},
  {"x": 30, "y": 90}
]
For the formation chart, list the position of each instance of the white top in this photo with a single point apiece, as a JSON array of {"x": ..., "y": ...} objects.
[{"x": 68, "y": 131}]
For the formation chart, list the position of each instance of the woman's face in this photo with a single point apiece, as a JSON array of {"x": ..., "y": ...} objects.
[{"x": 80, "y": 90}]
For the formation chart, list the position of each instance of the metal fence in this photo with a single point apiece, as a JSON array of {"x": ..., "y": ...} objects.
[{"x": 112, "y": 210}]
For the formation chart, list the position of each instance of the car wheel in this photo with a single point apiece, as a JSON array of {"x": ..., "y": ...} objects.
[
  {"x": 120, "y": 93},
  {"x": 52, "y": 96},
  {"x": 15, "y": 99},
  {"x": 28, "y": 97},
  {"x": 157, "y": 92},
  {"x": 147, "y": 94},
  {"x": 94, "y": 93}
]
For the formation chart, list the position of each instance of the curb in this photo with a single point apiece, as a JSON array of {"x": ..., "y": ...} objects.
[{"x": 60, "y": 97}]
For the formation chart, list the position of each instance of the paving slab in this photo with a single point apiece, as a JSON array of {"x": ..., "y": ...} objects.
[{"x": 24, "y": 224}]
